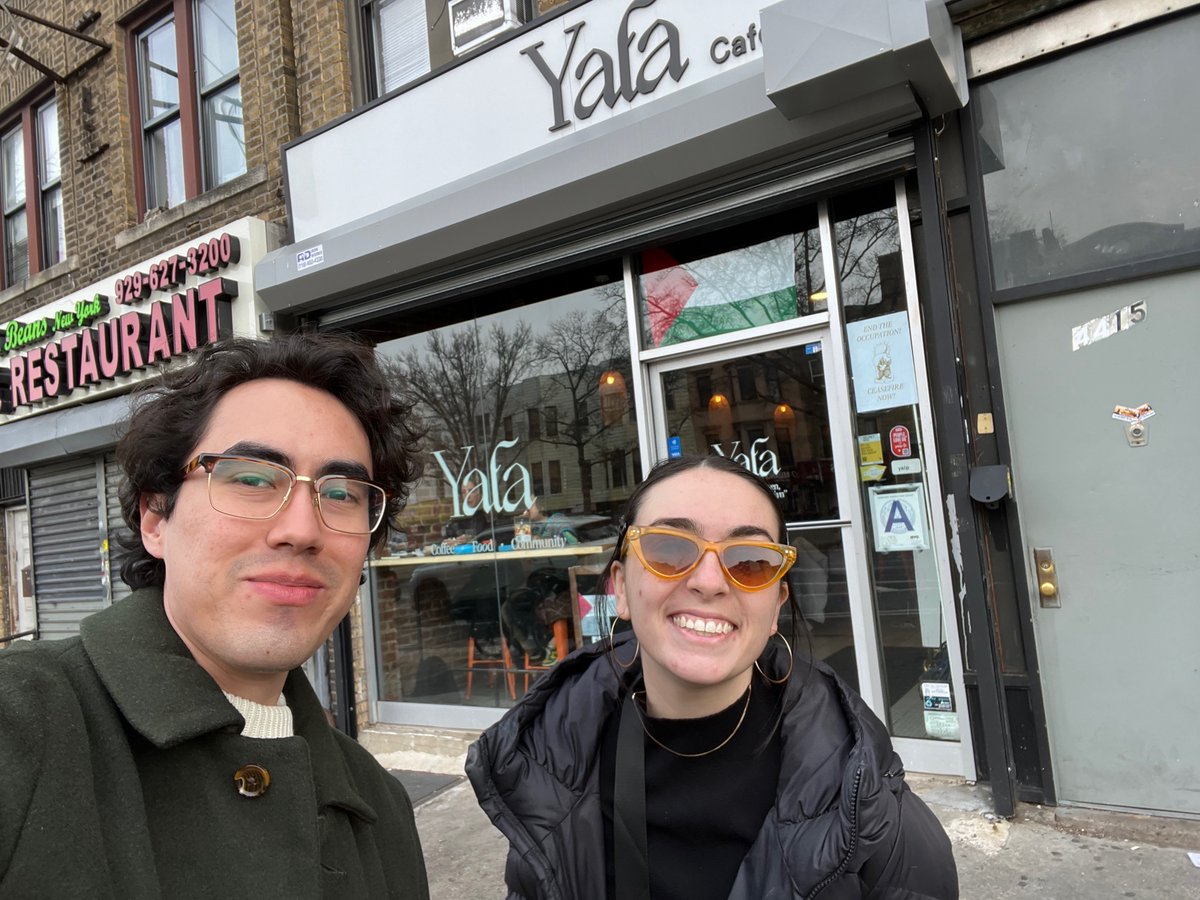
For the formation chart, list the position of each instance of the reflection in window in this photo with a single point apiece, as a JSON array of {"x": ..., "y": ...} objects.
[
  {"x": 868, "y": 254},
  {"x": 54, "y": 237},
  {"x": 16, "y": 235},
  {"x": 716, "y": 284},
  {"x": 819, "y": 580},
  {"x": 785, "y": 437},
  {"x": 1081, "y": 172},
  {"x": 617, "y": 469},
  {"x": 515, "y": 496}
]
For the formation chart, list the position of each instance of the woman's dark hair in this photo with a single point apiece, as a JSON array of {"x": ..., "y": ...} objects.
[
  {"x": 170, "y": 414},
  {"x": 669, "y": 468}
]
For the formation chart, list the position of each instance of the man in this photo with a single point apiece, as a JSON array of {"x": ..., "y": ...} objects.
[{"x": 174, "y": 749}]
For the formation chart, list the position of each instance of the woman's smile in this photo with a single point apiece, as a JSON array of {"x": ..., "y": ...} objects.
[{"x": 699, "y": 625}]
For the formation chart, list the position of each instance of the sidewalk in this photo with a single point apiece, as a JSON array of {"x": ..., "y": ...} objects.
[{"x": 997, "y": 860}]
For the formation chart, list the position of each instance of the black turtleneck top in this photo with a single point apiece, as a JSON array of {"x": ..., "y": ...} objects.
[{"x": 702, "y": 813}]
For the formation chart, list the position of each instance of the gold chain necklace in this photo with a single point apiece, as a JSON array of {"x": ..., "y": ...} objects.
[{"x": 742, "y": 718}]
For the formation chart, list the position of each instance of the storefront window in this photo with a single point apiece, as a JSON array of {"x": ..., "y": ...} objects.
[
  {"x": 1088, "y": 163},
  {"x": 528, "y": 417},
  {"x": 892, "y": 468},
  {"x": 737, "y": 279}
]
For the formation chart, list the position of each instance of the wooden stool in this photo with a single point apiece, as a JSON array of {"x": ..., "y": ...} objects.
[{"x": 505, "y": 662}]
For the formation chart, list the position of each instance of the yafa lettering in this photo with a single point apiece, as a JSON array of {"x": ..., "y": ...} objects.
[
  {"x": 605, "y": 80},
  {"x": 483, "y": 488},
  {"x": 761, "y": 462}
]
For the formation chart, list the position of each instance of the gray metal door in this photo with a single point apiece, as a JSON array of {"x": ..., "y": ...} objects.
[
  {"x": 69, "y": 574},
  {"x": 1120, "y": 657}
]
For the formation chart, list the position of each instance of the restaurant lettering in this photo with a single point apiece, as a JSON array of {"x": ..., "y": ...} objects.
[
  {"x": 118, "y": 346},
  {"x": 603, "y": 79},
  {"x": 491, "y": 490},
  {"x": 94, "y": 348}
]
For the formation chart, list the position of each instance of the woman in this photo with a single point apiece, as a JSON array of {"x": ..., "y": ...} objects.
[{"x": 695, "y": 758}]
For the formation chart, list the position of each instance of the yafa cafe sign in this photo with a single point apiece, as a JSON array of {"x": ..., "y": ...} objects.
[{"x": 155, "y": 312}]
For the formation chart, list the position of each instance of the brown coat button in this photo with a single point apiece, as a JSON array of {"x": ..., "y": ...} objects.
[{"x": 252, "y": 781}]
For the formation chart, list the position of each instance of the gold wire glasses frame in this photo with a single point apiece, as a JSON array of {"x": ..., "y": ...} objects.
[
  {"x": 248, "y": 488},
  {"x": 672, "y": 554}
]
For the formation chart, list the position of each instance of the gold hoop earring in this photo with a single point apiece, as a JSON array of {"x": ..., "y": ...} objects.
[
  {"x": 791, "y": 663},
  {"x": 613, "y": 650}
]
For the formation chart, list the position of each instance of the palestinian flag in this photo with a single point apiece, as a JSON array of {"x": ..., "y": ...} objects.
[{"x": 718, "y": 294}]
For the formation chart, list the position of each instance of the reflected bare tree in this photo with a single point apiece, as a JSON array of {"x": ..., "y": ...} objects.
[
  {"x": 862, "y": 243},
  {"x": 576, "y": 350},
  {"x": 462, "y": 381}
]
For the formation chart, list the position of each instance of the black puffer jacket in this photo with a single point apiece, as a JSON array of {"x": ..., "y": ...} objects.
[{"x": 844, "y": 824}]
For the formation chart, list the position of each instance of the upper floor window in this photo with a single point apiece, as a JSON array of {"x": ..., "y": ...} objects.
[
  {"x": 191, "y": 137},
  {"x": 397, "y": 48},
  {"x": 31, "y": 193},
  {"x": 402, "y": 41},
  {"x": 1084, "y": 169}
]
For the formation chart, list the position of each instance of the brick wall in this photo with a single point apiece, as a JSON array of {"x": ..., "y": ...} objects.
[{"x": 284, "y": 93}]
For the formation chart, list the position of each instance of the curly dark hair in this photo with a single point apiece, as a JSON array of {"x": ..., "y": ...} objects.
[{"x": 169, "y": 415}]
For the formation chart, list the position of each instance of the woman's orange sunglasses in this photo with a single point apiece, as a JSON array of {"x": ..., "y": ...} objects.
[{"x": 671, "y": 554}]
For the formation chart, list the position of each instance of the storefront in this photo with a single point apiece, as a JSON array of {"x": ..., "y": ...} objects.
[
  {"x": 642, "y": 230},
  {"x": 68, "y": 368}
]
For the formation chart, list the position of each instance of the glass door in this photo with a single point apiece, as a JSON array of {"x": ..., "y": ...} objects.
[{"x": 767, "y": 406}]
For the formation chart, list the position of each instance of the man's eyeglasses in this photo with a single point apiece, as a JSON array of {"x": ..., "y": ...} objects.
[
  {"x": 671, "y": 554},
  {"x": 249, "y": 488}
]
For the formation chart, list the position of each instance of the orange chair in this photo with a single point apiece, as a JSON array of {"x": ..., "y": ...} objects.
[
  {"x": 504, "y": 662},
  {"x": 561, "y": 648}
]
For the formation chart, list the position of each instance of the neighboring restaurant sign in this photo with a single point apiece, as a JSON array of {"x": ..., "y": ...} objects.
[{"x": 96, "y": 338}]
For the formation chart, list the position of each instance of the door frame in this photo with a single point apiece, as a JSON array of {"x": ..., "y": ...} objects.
[
  {"x": 849, "y": 522},
  {"x": 16, "y": 529},
  {"x": 925, "y": 755}
]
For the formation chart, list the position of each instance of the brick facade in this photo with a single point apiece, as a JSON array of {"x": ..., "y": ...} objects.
[{"x": 295, "y": 66}]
